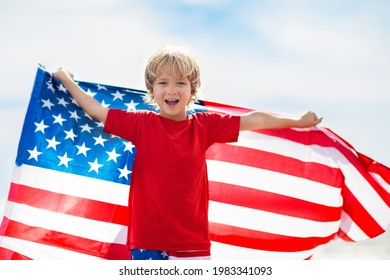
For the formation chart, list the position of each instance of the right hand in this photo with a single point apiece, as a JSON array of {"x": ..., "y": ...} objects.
[{"x": 63, "y": 74}]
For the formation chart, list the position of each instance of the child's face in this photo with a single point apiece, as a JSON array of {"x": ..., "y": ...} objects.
[{"x": 172, "y": 93}]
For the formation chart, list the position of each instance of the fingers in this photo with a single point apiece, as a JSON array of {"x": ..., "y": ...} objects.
[
  {"x": 310, "y": 119},
  {"x": 61, "y": 72},
  {"x": 71, "y": 75},
  {"x": 318, "y": 121},
  {"x": 315, "y": 118}
]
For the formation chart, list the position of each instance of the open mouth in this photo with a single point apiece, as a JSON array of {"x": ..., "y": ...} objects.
[{"x": 171, "y": 101}]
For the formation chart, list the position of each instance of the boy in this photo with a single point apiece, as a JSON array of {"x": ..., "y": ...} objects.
[{"x": 168, "y": 200}]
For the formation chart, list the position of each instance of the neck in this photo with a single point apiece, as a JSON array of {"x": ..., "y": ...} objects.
[{"x": 178, "y": 118}]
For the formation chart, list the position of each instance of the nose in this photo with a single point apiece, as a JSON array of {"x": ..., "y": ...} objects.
[{"x": 171, "y": 89}]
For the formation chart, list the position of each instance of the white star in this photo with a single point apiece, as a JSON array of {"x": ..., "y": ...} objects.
[
  {"x": 118, "y": 95},
  {"x": 131, "y": 105},
  {"x": 34, "y": 153},
  {"x": 74, "y": 101},
  {"x": 94, "y": 166},
  {"x": 50, "y": 86},
  {"x": 101, "y": 87},
  {"x": 62, "y": 88},
  {"x": 85, "y": 114},
  {"x": 70, "y": 134},
  {"x": 105, "y": 105},
  {"x": 99, "y": 124},
  {"x": 86, "y": 127},
  {"x": 90, "y": 93},
  {"x": 41, "y": 127},
  {"x": 112, "y": 155},
  {"x": 64, "y": 160},
  {"x": 58, "y": 119},
  {"x": 52, "y": 143},
  {"x": 82, "y": 149},
  {"x": 73, "y": 115},
  {"x": 124, "y": 172},
  {"x": 61, "y": 101},
  {"x": 128, "y": 146},
  {"x": 99, "y": 140},
  {"x": 47, "y": 103},
  {"x": 164, "y": 254}
]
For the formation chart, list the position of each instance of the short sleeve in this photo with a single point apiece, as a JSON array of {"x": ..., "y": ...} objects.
[
  {"x": 222, "y": 128},
  {"x": 124, "y": 124}
]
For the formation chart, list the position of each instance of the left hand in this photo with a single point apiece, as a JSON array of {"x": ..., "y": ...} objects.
[{"x": 308, "y": 119}]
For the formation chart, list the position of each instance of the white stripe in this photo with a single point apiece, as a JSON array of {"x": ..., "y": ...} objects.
[
  {"x": 275, "y": 182},
  {"x": 70, "y": 184},
  {"x": 306, "y": 153},
  {"x": 86, "y": 228},
  {"x": 39, "y": 251},
  {"x": 269, "y": 222},
  {"x": 365, "y": 193},
  {"x": 221, "y": 251}
]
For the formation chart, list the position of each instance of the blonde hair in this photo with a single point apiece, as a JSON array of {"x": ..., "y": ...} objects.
[{"x": 179, "y": 62}]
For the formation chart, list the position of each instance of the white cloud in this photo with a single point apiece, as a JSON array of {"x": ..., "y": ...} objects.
[
  {"x": 308, "y": 52},
  {"x": 96, "y": 45},
  {"x": 345, "y": 39}
]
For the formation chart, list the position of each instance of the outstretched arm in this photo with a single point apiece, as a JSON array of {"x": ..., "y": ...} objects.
[
  {"x": 89, "y": 105},
  {"x": 262, "y": 120}
]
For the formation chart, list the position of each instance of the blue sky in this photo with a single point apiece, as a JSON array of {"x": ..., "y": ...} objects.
[{"x": 280, "y": 56}]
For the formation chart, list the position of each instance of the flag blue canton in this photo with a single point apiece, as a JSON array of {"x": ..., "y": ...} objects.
[{"x": 58, "y": 135}]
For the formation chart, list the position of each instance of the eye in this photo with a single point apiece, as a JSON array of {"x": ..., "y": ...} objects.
[
  {"x": 162, "y": 83},
  {"x": 181, "y": 83}
]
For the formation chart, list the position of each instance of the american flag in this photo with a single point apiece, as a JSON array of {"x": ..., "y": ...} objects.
[{"x": 273, "y": 194}]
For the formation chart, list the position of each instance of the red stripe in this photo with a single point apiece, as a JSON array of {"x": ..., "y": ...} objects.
[
  {"x": 271, "y": 202},
  {"x": 212, "y": 106},
  {"x": 3, "y": 226},
  {"x": 344, "y": 236},
  {"x": 276, "y": 162},
  {"x": 304, "y": 137},
  {"x": 263, "y": 240},
  {"x": 66, "y": 241},
  {"x": 67, "y": 204},
  {"x": 6, "y": 254}
]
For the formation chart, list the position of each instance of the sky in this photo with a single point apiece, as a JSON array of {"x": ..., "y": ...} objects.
[{"x": 280, "y": 56}]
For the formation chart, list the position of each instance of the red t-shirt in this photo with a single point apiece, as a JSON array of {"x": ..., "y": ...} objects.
[{"x": 168, "y": 200}]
